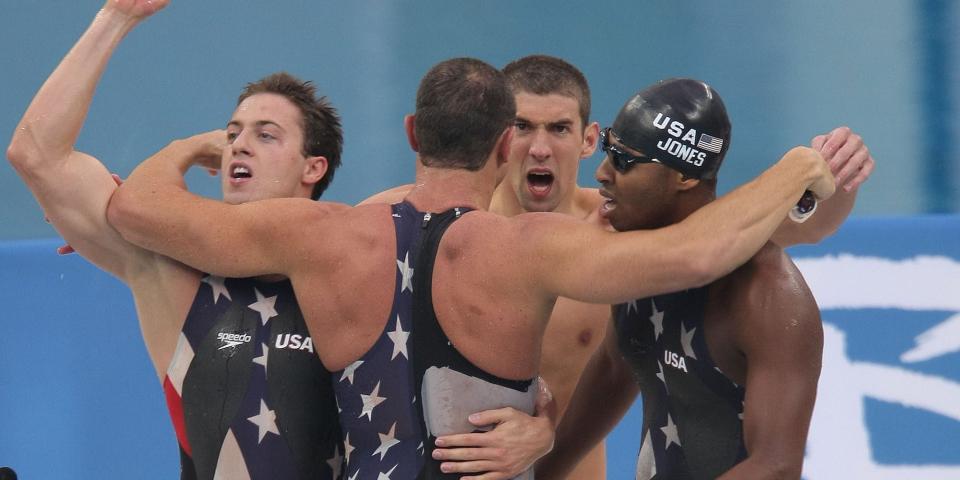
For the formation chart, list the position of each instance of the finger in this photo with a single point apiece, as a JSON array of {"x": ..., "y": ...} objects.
[
  {"x": 478, "y": 466},
  {"x": 861, "y": 176},
  {"x": 65, "y": 250},
  {"x": 465, "y": 440},
  {"x": 492, "y": 417},
  {"x": 213, "y": 172},
  {"x": 846, "y": 152},
  {"x": 469, "y": 454},
  {"x": 851, "y": 166},
  {"x": 835, "y": 139},
  {"x": 117, "y": 179},
  {"x": 817, "y": 142}
]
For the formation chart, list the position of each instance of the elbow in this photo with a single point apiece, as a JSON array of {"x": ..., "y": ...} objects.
[
  {"x": 785, "y": 470},
  {"x": 18, "y": 153},
  {"x": 120, "y": 214}
]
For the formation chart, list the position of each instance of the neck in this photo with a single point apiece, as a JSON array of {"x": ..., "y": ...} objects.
[
  {"x": 505, "y": 202},
  {"x": 692, "y": 201},
  {"x": 439, "y": 189}
]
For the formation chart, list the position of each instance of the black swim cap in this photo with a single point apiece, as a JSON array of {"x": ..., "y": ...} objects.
[{"x": 681, "y": 123}]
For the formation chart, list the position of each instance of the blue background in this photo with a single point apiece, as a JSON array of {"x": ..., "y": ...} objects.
[{"x": 786, "y": 70}]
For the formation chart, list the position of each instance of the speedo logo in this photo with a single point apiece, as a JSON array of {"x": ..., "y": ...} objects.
[{"x": 232, "y": 339}]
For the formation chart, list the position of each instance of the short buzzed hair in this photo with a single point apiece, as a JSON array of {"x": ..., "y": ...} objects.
[
  {"x": 545, "y": 75},
  {"x": 463, "y": 106}
]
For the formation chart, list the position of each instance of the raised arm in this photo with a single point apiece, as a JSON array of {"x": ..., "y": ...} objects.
[
  {"x": 780, "y": 334},
  {"x": 618, "y": 267},
  {"x": 851, "y": 164},
  {"x": 74, "y": 188},
  {"x": 605, "y": 392},
  {"x": 154, "y": 210}
]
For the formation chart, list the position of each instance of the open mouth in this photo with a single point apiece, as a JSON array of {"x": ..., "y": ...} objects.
[
  {"x": 240, "y": 172},
  {"x": 540, "y": 183},
  {"x": 609, "y": 203}
]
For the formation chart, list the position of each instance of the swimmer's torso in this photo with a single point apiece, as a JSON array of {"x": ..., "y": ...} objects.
[
  {"x": 412, "y": 383},
  {"x": 248, "y": 396},
  {"x": 692, "y": 422}
]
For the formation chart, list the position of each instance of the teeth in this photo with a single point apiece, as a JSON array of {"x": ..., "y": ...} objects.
[{"x": 241, "y": 170}]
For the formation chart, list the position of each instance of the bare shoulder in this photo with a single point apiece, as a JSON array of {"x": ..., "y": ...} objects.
[
  {"x": 496, "y": 241},
  {"x": 390, "y": 196},
  {"x": 768, "y": 294}
]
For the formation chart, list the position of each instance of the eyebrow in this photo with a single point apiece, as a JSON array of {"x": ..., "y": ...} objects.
[
  {"x": 258, "y": 123},
  {"x": 566, "y": 122}
]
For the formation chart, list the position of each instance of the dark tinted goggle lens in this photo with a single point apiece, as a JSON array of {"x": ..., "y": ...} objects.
[{"x": 622, "y": 161}]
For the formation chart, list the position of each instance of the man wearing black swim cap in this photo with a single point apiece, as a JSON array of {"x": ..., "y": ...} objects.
[{"x": 728, "y": 371}]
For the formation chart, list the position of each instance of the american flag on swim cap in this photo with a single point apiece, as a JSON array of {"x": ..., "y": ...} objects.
[{"x": 710, "y": 143}]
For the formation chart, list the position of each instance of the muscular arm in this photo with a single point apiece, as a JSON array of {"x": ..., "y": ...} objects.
[
  {"x": 591, "y": 265},
  {"x": 605, "y": 392},
  {"x": 74, "y": 188},
  {"x": 851, "y": 164},
  {"x": 154, "y": 210},
  {"x": 780, "y": 334}
]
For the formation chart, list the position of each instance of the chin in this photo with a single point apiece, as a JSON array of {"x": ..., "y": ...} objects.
[{"x": 235, "y": 198}]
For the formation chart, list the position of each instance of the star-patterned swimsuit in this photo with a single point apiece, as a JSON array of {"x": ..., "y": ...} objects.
[
  {"x": 247, "y": 394},
  {"x": 692, "y": 412},
  {"x": 381, "y": 409}
]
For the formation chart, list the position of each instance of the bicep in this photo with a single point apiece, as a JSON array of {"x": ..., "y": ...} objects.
[
  {"x": 74, "y": 195},
  {"x": 784, "y": 354}
]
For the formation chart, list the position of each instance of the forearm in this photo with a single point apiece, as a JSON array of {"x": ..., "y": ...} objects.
[
  {"x": 824, "y": 222},
  {"x": 148, "y": 209},
  {"x": 730, "y": 230},
  {"x": 50, "y": 126},
  {"x": 606, "y": 383}
]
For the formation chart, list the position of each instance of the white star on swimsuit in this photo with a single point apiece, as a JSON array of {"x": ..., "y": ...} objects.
[
  {"x": 219, "y": 287},
  {"x": 657, "y": 319},
  {"x": 264, "y": 306},
  {"x": 399, "y": 339},
  {"x": 266, "y": 421},
  {"x": 407, "y": 272},
  {"x": 370, "y": 402}
]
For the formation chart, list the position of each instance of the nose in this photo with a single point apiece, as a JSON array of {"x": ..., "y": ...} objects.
[
  {"x": 540, "y": 145},
  {"x": 240, "y": 145},
  {"x": 604, "y": 173}
]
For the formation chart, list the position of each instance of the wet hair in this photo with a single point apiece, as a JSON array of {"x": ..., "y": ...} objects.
[
  {"x": 545, "y": 75},
  {"x": 463, "y": 106},
  {"x": 322, "y": 134}
]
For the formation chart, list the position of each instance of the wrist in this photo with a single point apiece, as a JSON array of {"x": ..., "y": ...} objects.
[
  {"x": 119, "y": 21},
  {"x": 806, "y": 163},
  {"x": 183, "y": 153}
]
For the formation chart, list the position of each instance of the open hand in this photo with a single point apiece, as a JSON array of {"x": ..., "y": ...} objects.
[{"x": 849, "y": 159}]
